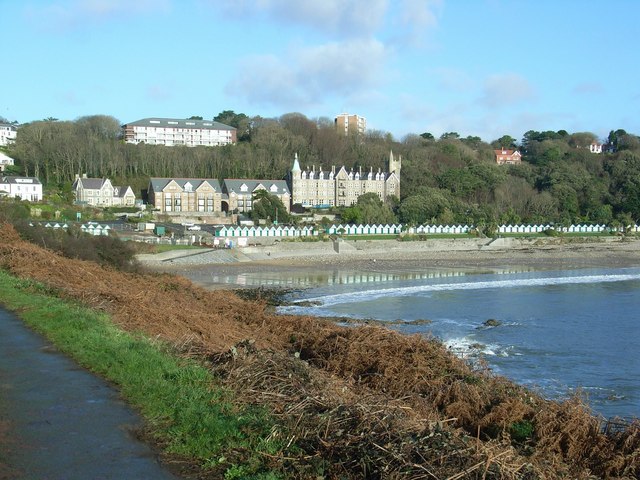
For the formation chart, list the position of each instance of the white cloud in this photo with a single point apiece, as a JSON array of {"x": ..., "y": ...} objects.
[
  {"x": 310, "y": 75},
  {"x": 420, "y": 14},
  {"x": 505, "y": 90},
  {"x": 344, "y": 17},
  {"x": 412, "y": 20},
  {"x": 266, "y": 80}
]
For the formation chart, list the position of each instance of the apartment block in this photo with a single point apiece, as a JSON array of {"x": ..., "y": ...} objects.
[
  {"x": 172, "y": 132},
  {"x": 350, "y": 124}
]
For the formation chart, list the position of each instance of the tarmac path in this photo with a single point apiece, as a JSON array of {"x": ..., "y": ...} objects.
[{"x": 60, "y": 422}]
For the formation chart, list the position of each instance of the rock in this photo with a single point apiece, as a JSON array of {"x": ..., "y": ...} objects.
[{"x": 492, "y": 322}]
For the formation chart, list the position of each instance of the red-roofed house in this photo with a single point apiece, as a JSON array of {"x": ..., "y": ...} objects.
[{"x": 511, "y": 157}]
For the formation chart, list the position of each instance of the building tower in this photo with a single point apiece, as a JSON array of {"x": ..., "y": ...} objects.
[
  {"x": 395, "y": 164},
  {"x": 350, "y": 124}
]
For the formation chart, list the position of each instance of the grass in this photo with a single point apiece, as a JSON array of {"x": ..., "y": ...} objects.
[{"x": 186, "y": 412}]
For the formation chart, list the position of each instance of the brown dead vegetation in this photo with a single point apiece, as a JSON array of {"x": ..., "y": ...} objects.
[{"x": 351, "y": 402}]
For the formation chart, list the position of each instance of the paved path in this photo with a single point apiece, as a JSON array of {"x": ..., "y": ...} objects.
[{"x": 59, "y": 422}]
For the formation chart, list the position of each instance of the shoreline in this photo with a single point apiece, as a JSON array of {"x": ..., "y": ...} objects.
[{"x": 388, "y": 256}]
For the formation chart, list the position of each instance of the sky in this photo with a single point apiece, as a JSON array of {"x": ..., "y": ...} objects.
[{"x": 483, "y": 68}]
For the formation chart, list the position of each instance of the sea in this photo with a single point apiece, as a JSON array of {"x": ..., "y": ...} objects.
[{"x": 557, "y": 332}]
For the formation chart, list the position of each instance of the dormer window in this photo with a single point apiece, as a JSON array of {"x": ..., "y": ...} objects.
[
  {"x": 188, "y": 187},
  {"x": 273, "y": 188},
  {"x": 243, "y": 187}
]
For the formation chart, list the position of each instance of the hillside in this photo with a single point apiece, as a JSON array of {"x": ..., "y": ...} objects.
[{"x": 354, "y": 402}]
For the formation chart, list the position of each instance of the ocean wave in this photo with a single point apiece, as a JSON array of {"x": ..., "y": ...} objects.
[
  {"x": 366, "y": 295},
  {"x": 466, "y": 347}
]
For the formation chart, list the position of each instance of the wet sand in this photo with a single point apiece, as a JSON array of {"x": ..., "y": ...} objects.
[{"x": 404, "y": 258}]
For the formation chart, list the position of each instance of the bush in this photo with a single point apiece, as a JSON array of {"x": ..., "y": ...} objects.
[
  {"x": 521, "y": 431},
  {"x": 73, "y": 243},
  {"x": 421, "y": 237}
]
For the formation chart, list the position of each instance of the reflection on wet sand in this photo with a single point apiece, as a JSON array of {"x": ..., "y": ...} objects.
[{"x": 336, "y": 277}]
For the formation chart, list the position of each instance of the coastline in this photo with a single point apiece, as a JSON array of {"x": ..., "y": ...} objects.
[{"x": 215, "y": 270}]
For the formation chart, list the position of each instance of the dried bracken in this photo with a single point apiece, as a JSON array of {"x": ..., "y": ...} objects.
[{"x": 351, "y": 402}]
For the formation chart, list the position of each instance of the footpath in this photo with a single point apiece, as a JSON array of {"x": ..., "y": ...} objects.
[{"x": 60, "y": 422}]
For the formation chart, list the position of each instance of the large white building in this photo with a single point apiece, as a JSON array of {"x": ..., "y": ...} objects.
[
  {"x": 342, "y": 187},
  {"x": 99, "y": 192},
  {"x": 171, "y": 132},
  {"x": 8, "y": 134},
  {"x": 24, "y": 188}
]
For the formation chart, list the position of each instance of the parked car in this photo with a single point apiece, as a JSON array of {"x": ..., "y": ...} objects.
[{"x": 194, "y": 228}]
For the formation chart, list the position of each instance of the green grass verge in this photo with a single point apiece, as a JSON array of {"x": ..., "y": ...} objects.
[{"x": 186, "y": 411}]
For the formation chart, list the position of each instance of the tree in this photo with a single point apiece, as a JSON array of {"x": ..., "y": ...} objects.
[
  {"x": 239, "y": 121},
  {"x": 582, "y": 139},
  {"x": 472, "y": 141},
  {"x": 195, "y": 117},
  {"x": 449, "y": 136},
  {"x": 427, "y": 136},
  {"x": 368, "y": 210},
  {"x": 427, "y": 206},
  {"x": 373, "y": 210},
  {"x": 505, "y": 141},
  {"x": 102, "y": 127},
  {"x": 268, "y": 207}
]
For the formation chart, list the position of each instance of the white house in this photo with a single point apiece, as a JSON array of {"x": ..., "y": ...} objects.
[
  {"x": 8, "y": 134},
  {"x": 24, "y": 188},
  {"x": 5, "y": 161},
  {"x": 595, "y": 147}
]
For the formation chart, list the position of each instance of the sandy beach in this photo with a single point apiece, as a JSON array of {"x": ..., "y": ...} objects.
[{"x": 215, "y": 269}]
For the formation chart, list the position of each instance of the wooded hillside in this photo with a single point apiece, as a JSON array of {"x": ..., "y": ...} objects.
[{"x": 446, "y": 180}]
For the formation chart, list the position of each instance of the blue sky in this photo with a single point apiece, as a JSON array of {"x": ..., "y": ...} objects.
[{"x": 476, "y": 67}]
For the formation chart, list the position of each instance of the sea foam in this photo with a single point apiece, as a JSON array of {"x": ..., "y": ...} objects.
[{"x": 362, "y": 296}]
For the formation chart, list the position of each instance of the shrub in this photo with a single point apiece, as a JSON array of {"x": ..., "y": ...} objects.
[{"x": 521, "y": 431}]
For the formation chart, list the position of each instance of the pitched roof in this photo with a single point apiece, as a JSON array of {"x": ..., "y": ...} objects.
[
  {"x": 120, "y": 191},
  {"x": 90, "y": 183},
  {"x": 180, "y": 123},
  {"x": 504, "y": 151},
  {"x": 21, "y": 180},
  {"x": 158, "y": 184},
  {"x": 280, "y": 187}
]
